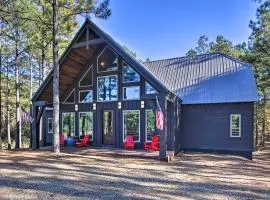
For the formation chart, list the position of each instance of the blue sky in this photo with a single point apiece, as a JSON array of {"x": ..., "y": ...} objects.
[{"x": 169, "y": 28}]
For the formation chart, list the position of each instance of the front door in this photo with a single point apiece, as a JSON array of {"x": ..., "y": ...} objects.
[{"x": 107, "y": 127}]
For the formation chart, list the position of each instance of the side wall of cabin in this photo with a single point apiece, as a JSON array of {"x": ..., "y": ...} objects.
[{"x": 206, "y": 127}]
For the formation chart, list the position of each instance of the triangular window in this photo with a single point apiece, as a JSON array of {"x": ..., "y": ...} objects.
[
  {"x": 70, "y": 98},
  {"x": 149, "y": 89},
  {"x": 107, "y": 60},
  {"x": 87, "y": 79},
  {"x": 129, "y": 74}
]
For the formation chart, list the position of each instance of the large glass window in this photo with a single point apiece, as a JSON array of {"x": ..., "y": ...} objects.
[
  {"x": 131, "y": 92},
  {"x": 150, "y": 125},
  {"x": 68, "y": 124},
  {"x": 149, "y": 89},
  {"x": 50, "y": 125},
  {"x": 87, "y": 78},
  {"x": 86, "y": 124},
  {"x": 129, "y": 75},
  {"x": 107, "y": 60},
  {"x": 107, "y": 88},
  {"x": 86, "y": 96},
  {"x": 131, "y": 124},
  {"x": 235, "y": 125},
  {"x": 70, "y": 98}
]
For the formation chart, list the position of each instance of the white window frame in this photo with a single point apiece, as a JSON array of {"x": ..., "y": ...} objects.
[
  {"x": 91, "y": 67},
  {"x": 239, "y": 135},
  {"x": 123, "y": 127},
  {"x": 132, "y": 69},
  {"x": 131, "y": 98},
  {"x": 74, "y": 122},
  {"x": 101, "y": 54},
  {"x": 69, "y": 96},
  {"x": 92, "y": 121},
  {"x": 117, "y": 89},
  {"x": 147, "y": 110},
  {"x": 85, "y": 91},
  {"x": 50, "y": 119}
]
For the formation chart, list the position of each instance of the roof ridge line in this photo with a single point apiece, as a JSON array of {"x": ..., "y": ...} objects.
[{"x": 182, "y": 57}]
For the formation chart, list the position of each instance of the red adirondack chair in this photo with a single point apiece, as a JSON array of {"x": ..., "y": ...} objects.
[
  {"x": 129, "y": 143},
  {"x": 84, "y": 142},
  {"x": 153, "y": 145},
  {"x": 62, "y": 140}
]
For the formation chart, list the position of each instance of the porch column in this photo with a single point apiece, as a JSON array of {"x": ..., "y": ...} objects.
[
  {"x": 36, "y": 115},
  {"x": 34, "y": 127},
  {"x": 163, "y": 133}
]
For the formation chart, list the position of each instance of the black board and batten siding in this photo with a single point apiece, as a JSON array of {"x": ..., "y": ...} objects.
[
  {"x": 206, "y": 127},
  {"x": 113, "y": 106}
]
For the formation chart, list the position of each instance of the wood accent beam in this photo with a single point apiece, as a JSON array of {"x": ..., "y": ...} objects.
[
  {"x": 88, "y": 43},
  {"x": 77, "y": 59}
]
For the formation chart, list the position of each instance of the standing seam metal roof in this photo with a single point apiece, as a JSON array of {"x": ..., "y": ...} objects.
[{"x": 207, "y": 78}]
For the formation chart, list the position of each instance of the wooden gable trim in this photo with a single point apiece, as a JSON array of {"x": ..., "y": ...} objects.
[{"x": 88, "y": 43}]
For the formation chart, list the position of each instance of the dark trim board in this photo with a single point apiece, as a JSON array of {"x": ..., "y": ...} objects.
[{"x": 245, "y": 154}]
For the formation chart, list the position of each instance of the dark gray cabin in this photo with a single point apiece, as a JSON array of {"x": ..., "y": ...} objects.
[{"x": 207, "y": 100}]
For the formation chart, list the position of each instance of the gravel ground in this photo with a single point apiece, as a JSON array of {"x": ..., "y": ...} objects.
[{"x": 81, "y": 175}]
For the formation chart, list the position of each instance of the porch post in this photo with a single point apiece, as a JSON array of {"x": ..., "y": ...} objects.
[
  {"x": 34, "y": 127},
  {"x": 163, "y": 133}
]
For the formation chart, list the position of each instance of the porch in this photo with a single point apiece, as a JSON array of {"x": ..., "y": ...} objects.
[{"x": 113, "y": 152}]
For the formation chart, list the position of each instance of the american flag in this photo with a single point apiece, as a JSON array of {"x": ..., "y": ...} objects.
[
  {"x": 159, "y": 116},
  {"x": 25, "y": 116}
]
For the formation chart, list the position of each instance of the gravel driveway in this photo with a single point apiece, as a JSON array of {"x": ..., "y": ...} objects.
[{"x": 81, "y": 175}]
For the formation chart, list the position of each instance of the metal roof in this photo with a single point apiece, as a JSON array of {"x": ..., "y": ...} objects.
[{"x": 207, "y": 78}]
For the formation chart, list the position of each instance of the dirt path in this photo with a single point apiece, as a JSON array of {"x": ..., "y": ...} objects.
[{"x": 81, "y": 175}]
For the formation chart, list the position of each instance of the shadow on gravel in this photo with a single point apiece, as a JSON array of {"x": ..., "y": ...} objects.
[{"x": 39, "y": 174}]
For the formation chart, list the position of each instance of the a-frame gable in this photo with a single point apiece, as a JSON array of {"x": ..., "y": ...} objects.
[{"x": 76, "y": 58}]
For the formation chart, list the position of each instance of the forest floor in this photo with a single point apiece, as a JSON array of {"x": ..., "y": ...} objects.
[{"x": 81, "y": 175}]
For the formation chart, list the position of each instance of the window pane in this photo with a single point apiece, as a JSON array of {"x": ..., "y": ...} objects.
[
  {"x": 70, "y": 98},
  {"x": 235, "y": 121},
  {"x": 86, "y": 96},
  {"x": 149, "y": 89},
  {"x": 68, "y": 124},
  {"x": 235, "y": 125},
  {"x": 131, "y": 92},
  {"x": 87, "y": 78},
  {"x": 50, "y": 125},
  {"x": 107, "y": 61},
  {"x": 129, "y": 75},
  {"x": 150, "y": 125},
  {"x": 107, "y": 88},
  {"x": 132, "y": 124},
  {"x": 86, "y": 124}
]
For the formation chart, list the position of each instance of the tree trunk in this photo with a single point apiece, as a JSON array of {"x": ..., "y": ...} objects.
[
  {"x": 256, "y": 125},
  {"x": 18, "y": 110},
  {"x": 0, "y": 96},
  {"x": 8, "y": 108},
  {"x": 56, "y": 147},
  {"x": 263, "y": 117},
  {"x": 31, "y": 80}
]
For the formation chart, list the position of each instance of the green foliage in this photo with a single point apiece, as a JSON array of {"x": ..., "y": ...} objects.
[
  {"x": 130, "y": 52},
  {"x": 27, "y": 27}
]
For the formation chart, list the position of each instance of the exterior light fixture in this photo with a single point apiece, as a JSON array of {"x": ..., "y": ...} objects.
[
  {"x": 119, "y": 105},
  {"x": 94, "y": 106},
  {"x": 76, "y": 107},
  {"x": 142, "y": 104}
]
